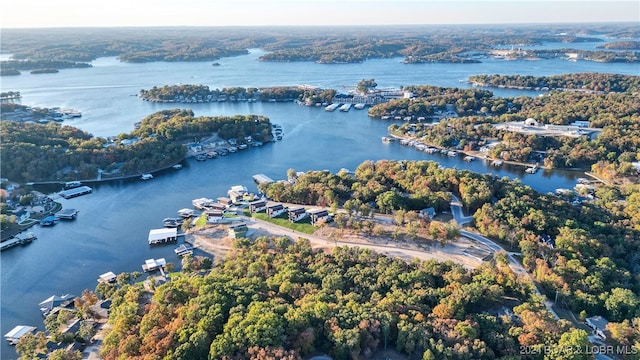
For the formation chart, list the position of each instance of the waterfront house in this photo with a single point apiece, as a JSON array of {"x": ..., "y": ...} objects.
[
  {"x": 49, "y": 304},
  {"x": 297, "y": 214},
  {"x": 218, "y": 206},
  {"x": 318, "y": 215},
  {"x": 236, "y": 196},
  {"x": 599, "y": 326},
  {"x": 275, "y": 209},
  {"x": 157, "y": 236},
  {"x": 214, "y": 216},
  {"x": 237, "y": 231},
  {"x": 22, "y": 215},
  {"x": 225, "y": 201},
  {"x": 257, "y": 206}
]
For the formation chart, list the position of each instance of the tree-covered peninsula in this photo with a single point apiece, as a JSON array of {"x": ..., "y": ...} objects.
[
  {"x": 597, "y": 82},
  {"x": 201, "y": 93},
  {"x": 33, "y": 152}
]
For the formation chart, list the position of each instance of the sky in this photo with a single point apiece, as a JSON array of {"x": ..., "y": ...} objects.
[{"x": 110, "y": 13}]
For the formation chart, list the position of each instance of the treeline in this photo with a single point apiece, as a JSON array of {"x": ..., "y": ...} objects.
[
  {"x": 319, "y": 44},
  {"x": 278, "y": 299},
  {"x": 597, "y": 82},
  {"x": 178, "y": 125},
  {"x": 388, "y": 185},
  {"x": 41, "y": 64},
  {"x": 590, "y": 55},
  {"x": 621, "y": 45},
  {"x": 50, "y": 152},
  {"x": 429, "y": 100},
  {"x": 202, "y": 93}
]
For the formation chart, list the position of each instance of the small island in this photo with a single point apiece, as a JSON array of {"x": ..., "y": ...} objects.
[
  {"x": 45, "y": 71},
  {"x": 9, "y": 72}
]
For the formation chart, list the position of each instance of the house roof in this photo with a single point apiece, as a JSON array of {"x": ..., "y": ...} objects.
[
  {"x": 598, "y": 321},
  {"x": 159, "y": 234}
]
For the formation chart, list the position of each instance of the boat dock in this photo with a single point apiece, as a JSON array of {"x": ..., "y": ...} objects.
[
  {"x": 331, "y": 107},
  {"x": 19, "y": 239},
  {"x": 163, "y": 235},
  {"x": 183, "y": 250},
  {"x": 78, "y": 191},
  {"x": 262, "y": 179},
  {"x": 68, "y": 214},
  {"x": 17, "y": 332},
  {"x": 345, "y": 107},
  {"x": 154, "y": 264}
]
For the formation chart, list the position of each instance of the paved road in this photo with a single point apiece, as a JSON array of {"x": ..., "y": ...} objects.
[{"x": 458, "y": 214}]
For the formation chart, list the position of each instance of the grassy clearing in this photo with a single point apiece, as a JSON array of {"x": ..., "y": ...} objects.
[
  {"x": 303, "y": 226},
  {"x": 202, "y": 220}
]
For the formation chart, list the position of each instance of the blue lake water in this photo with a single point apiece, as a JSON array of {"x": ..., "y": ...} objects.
[{"x": 111, "y": 229}]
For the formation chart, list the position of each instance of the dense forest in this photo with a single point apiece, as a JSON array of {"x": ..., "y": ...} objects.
[
  {"x": 51, "y": 152},
  {"x": 274, "y": 299},
  {"x": 319, "y": 44},
  {"x": 41, "y": 64},
  {"x": 181, "y": 125},
  {"x": 596, "y": 242},
  {"x": 597, "y": 82},
  {"x": 201, "y": 93},
  {"x": 621, "y": 45}
]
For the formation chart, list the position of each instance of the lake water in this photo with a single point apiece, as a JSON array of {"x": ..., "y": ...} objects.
[{"x": 112, "y": 226}]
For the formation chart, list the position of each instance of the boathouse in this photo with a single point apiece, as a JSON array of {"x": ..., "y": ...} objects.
[
  {"x": 17, "y": 332},
  {"x": 71, "y": 193},
  {"x": 257, "y": 206},
  {"x": 297, "y": 214},
  {"x": 107, "y": 277},
  {"x": 318, "y": 215},
  {"x": 68, "y": 214},
  {"x": 276, "y": 209},
  {"x": 153, "y": 264},
  {"x": 262, "y": 179},
  {"x": 236, "y": 196},
  {"x": 225, "y": 201},
  {"x": 158, "y": 236}
]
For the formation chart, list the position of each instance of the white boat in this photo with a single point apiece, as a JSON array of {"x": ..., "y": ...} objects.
[
  {"x": 386, "y": 139},
  {"x": 468, "y": 158},
  {"x": 345, "y": 107},
  {"x": 146, "y": 177},
  {"x": 177, "y": 166},
  {"x": 496, "y": 163},
  {"x": 532, "y": 170},
  {"x": 452, "y": 153},
  {"x": 359, "y": 106},
  {"x": 331, "y": 107}
]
